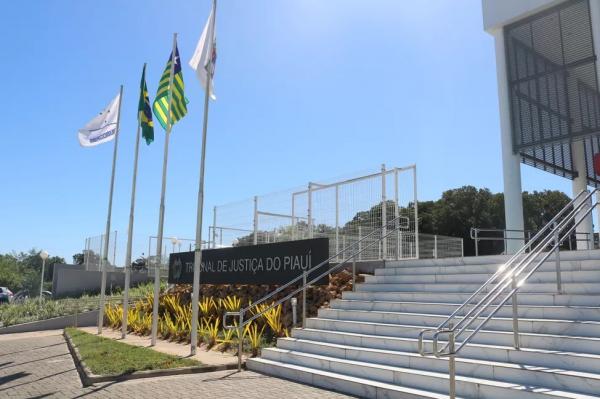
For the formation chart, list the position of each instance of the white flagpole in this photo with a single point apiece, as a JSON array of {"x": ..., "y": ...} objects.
[
  {"x": 130, "y": 230},
  {"x": 161, "y": 211},
  {"x": 104, "y": 258},
  {"x": 198, "y": 249}
]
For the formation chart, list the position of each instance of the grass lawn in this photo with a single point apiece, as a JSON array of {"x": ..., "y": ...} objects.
[{"x": 106, "y": 356}]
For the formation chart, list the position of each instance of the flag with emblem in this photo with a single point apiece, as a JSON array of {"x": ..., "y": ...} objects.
[
  {"x": 178, "y": 100},
  {"x": 205, "y": 57},
  {"x": 103, "y": 127},
  {"x": 144, "y": 112}
]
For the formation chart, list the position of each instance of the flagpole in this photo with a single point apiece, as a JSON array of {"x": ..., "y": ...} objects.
[
  {"x": 161, "y": 211},
  {"x": 198, "y": 249},
  {"x": 130, "y": 230},
  {"x": 107, "y": 233}
]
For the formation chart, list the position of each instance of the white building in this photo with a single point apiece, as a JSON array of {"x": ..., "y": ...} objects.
[{"x": 548, "y": 95}]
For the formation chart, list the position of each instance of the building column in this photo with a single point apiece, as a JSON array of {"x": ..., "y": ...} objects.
[
  {"x": 595, "y": 18},
  {"x": 584, "y": 230},
  {"x": 511, "y": 162}
]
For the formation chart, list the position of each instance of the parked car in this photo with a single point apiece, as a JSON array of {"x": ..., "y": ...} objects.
[
  {"x": 6, "y": 295},
  {"x": 140, "y": 264},
  {"x": 22, "y": 295}
]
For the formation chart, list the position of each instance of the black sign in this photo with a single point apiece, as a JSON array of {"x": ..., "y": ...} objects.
[{"x": 276, "y": 263}]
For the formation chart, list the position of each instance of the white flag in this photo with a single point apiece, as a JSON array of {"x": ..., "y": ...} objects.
[
  {"x": 101, "y": 128},
  {"x": 205, "y": 56}
]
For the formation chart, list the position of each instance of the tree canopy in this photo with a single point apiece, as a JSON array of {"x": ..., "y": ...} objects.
[{"x": 22, "y": 270}]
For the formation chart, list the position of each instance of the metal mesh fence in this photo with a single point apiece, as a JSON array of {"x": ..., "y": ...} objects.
[
  {"x": 344, "y": 210},
  {"x": 94, "y": 246},
  {"x": 436, "y": 246},
  {"x": 169, "y": 245}
]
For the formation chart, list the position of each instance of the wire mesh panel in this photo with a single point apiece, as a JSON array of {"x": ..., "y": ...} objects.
[
  {"x": 170, "y": 244},
  {"x": 553, "y": 86},
  {"x": 94, "y": 248},
  {"x": 437, "y": 246},
  {"x": 346, "y": 211}
]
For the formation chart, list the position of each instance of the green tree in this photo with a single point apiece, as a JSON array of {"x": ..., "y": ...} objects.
[{"x": 78, "y": 258}]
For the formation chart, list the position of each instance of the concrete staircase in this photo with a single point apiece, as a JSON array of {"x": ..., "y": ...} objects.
[{"x": 366, "y": 343}]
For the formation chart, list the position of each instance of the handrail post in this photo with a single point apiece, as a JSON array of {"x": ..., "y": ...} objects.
[
  {"x": 304, "y": 300},
  {"x": 452, "y": 366},
  {"x": 476, "y": 242},
  {"x": 462, "y": 247},
  {"x": 359, "y": 242},
  {"x": 310, "y": 221},
  {"x": 214, "y": 229},
  {"x": 354, "y": 273},
  {"x": 515, "y": 314},
  {"x": 557, "y": 257},
  {"x": 435, "y": 247},
  {"x": 240, "y": 339},
  {"x": 294, "y": 302}
]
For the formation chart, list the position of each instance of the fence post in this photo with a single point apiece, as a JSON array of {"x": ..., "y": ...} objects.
[
  {"x": 476, "y": 242},
  {"x": 87, "y": 254},
  {"x": 214, "y": 228},
  {"x": 462, "y": 247},
  {"x": 383, "y": 214},
  {"x": 337, "y": 220},
  {"x": 293, "y": 216},
  {"x": 310, "y": 220},
  {"x": 397, "y": 213},
  {"x": 255, "y": 239},
  {"x": 435, "y": 246},
  {"x": 416, "y": 205}
]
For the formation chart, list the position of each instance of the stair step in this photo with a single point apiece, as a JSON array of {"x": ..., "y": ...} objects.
[
  {"x": 491, "y": 268},
  {"x": 590, "y": 313},
  {"x": 480, "y": 278},
  {"x": 500, "y": 338},
  {"x": 568, "y": 288},
  {"x": 504, "y": 354},
  {"x": 525, "y": 298},
  {"x": 360, "y": 387},
  {"x": 535, "y": 326},
  {"x": 565, "y": 256},
  {"x": 413, "y": 378},
  {"x": 506, "y": 372}
]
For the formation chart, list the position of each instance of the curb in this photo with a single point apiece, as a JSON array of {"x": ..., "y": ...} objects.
[{"x": 88, "y": 378}]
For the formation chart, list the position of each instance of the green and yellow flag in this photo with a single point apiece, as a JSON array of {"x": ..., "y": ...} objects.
[
  {"x": 144, "y": 113},
  {"x": 178, "y": 102}
]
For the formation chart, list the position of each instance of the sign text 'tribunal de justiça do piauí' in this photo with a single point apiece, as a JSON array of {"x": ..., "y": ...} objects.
[{"x": 276, "y": 263}]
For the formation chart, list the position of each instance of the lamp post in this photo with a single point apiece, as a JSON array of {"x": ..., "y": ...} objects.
[
  {"x": 174, "y": 242},
  {"x": 44, "y": 256}
]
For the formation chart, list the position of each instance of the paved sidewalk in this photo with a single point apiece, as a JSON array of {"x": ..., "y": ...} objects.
[{"x": 38, "y": 365}]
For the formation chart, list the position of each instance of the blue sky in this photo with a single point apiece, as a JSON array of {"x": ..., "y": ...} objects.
[{"x": 307, "y": 89}]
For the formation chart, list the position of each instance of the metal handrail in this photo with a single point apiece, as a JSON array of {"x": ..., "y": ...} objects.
[
  {"x": 549, "y": 235},
  {"x": 305, "y": 282},
  {"x": 474, "y": 235}
]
